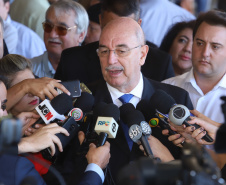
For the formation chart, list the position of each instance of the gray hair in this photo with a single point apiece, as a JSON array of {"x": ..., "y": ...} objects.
[{"x": 81, "y": 19}]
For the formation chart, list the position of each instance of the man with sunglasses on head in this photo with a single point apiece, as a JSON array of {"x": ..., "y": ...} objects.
[{"x": 65, "y": 26}]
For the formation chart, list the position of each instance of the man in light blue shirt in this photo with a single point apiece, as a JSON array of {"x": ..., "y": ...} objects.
[
  {"x": 29, "y": 43},
  {"x": 20, "y": 39},
  {"x": 65, "y": 26}
]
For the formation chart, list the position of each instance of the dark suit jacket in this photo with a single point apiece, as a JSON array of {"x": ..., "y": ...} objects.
[
  {"x": 120, "y": 153},
  {"x": 14, "y": 169},
  {"x": 83, "y": 63},
  {"x": 90, "y": 178}
]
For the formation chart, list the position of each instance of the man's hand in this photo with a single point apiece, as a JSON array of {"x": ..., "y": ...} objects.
[
  {"x": 44, "y": 137},
  {"x": 28, "y": 118},
  {"x": 100, "y": 155},
  {"x": 158, "y": 149}
]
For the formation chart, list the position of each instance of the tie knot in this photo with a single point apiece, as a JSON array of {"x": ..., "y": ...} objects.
[{"x": 125, "y": 98}]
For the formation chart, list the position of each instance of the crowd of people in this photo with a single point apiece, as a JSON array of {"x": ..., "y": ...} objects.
[{"x": 117, "y": 48}]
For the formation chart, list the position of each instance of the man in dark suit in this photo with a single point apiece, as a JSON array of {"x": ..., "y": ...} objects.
[
  {"x": 83, "y": 63},
  {"x": 122, "y": 52}
]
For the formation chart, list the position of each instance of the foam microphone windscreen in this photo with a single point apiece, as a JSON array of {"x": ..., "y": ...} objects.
[
  {"x": 131, "y": 116},
  {"x": 62, "y": 103},
  {"x": 162, "y": 101},
  {"x": 85, "y": 102},
  {"x": 147, "y": 109},
  {"x": 111, "y": 110},
  {"x": 98, "y": 109},
  {"x": 126, "y": 109}
]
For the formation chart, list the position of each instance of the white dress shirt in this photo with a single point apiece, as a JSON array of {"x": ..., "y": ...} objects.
[
  {"x": 29, "y": 44},
  {"x": 208, "y": 104},
  {"x": 136, "y": 92}
]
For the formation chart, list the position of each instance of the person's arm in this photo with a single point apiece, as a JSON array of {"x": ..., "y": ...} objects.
[
  {"x": 41, "y": 87},
  {"x": 158, "y": 149},
  {"x": 44, "y": 137},
  {"x": 220, "y": 159},
  {"x": 204, "y": 128},
  {"x": 97, "y": 158},
  {"x": 205, "y": 118},
  {"x": 190, "y": 134}
]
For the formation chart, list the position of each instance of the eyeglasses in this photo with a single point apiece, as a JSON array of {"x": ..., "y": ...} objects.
[
  {"x": 3, "y": 104},
  {"x": 120, "y": 52},
  {"x": 61, "y": 30}
]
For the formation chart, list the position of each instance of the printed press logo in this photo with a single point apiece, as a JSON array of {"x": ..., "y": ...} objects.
[
  {"x": 45, "y": 111},
  {"x": 106, "y": 123}
]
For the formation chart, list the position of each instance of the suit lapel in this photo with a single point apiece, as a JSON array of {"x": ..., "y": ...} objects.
[{"x": 148, "y": 90}]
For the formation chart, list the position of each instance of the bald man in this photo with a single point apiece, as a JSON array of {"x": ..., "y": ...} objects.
[{"x": 122, "y": 52}]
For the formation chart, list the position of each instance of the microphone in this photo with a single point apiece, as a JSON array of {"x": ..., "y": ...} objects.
[
  {"x": 139, "y": 129},
  {"x": 83, "y": 105},
  {"x": 106, "y": 126},
  {"x": 178, "y": 114},
  {"x": 72, "y": 127},
  {"x": 149, "y": 112},
  {"x": 49, "y": 111}
]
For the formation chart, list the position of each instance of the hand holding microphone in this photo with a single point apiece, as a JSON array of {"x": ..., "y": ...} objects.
[
  {"x": 50, "y": 111},
  {"x": 199, "y": 133},
  {"x": 154, "y": 118},
  {"x": 106, "y": 125},
  {"x": 178, "y": 114}
]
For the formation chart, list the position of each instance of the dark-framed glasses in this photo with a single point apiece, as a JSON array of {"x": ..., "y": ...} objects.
[
  {"x": 3, "y": 104},
  {"x": 60, "y": 30},
  {"x": 120, "y": 52}
]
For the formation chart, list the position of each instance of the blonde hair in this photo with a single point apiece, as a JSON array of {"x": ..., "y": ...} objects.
[{"x": 11, "y": 64}]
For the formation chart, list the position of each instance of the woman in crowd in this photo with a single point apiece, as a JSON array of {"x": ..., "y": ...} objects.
[
  {"x": 17, "y": 68},
  {"x": 178, "y": 43}
]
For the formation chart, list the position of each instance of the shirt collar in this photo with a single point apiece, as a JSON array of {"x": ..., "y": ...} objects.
[
  {"x": 191, "y": 79},
  {"x": 137, "y": 91},
  {"x": 47, "y": 65},
  {"x": 8, "y": 19}
]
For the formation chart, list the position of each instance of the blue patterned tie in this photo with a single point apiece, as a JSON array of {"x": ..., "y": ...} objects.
[{"x": 125, "y": 99}]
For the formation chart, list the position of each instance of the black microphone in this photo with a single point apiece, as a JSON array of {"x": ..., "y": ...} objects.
[
  {"x": 72, "y": 127},
  {"x": 178, "y": 114},
  {"x": 106, "y": 125},
  {"x": 149, "y": 113},
  {"x": 50, "y": 111},
  {"x": 82, "y": 108},
  {"x": 139, "y": 129}
]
